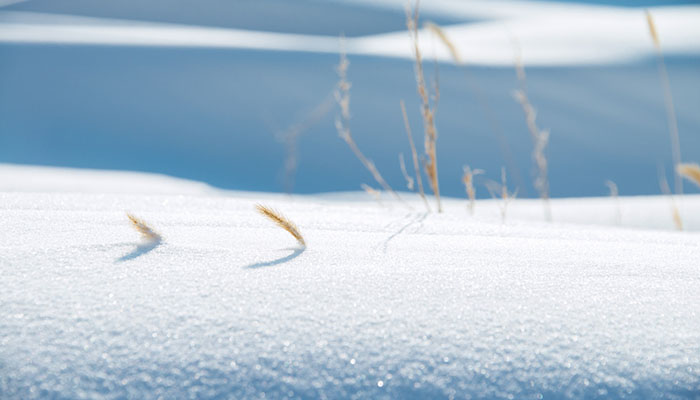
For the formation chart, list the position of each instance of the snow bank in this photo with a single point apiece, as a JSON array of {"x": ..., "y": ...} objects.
[
  {"x": 385, "y": 302},
  {"x": 547, "y": 33}
]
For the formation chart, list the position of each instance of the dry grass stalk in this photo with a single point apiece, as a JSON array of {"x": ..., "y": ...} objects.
[
  {"x": 500, "y": 190},
  {"x": 665, "y": 189},
  {"x": 437, "y": 31},
  {"x": 435, "y": 95},
  {"x": 540, "y": 138},
  {"x": 652, "y": 31},
  {"x": 668, "y": 102},
  {"x": 677, "y": 220},
  {"x": 427, "y": 111},
  {"x": 414, "y": 155},
  {"x": 468, "y": 180},
  {"x": 376, "y": 194},
  {"x": 409, "y": 180},
  {"x": 342, "y": 123},
  {"x": 147, "y": 233},
  {"x": 614, "y": 193},
  {"x": 281, "y": 221},
  {"x": 290, "y": 138},
  {"x": 483, "y": 101},
  {"x": 690, "y": 172}
]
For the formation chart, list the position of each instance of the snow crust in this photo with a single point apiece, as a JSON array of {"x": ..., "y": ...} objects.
[{"x": 386, "y": 302}]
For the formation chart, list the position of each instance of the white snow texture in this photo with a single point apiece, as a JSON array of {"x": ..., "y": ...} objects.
[
  {"x": 386, "y": 302},
  {"x": 545, "y": 32}
]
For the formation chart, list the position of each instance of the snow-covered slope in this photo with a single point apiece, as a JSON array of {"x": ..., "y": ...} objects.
[
  {"x": 384, "y": 302},
  {"x": 547, "y": 33}
]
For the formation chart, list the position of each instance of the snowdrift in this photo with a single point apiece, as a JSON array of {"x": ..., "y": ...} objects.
[{"x": 386, "y": 301}]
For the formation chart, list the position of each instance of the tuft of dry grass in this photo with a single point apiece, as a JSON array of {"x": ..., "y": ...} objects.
[
  {"x": 281, "y": 221},
  {"x": 342, "y": 123},
  {"x": 468, "y": 180},
  {"x": 427, "y": 110},
  {"x": 147, "y": 233},
  {"x": 690, "y": 172},
  {"x": 414, "y": 155},
  {"x": 539, "y": 137},
  {"x": 668, "y": 102}
]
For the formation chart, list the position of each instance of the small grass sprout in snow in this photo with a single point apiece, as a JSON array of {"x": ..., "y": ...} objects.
[
  {"x": 147, "y": 233},
  {"x": 690, "y": 172},
  {"x": 281, "y": 221}
]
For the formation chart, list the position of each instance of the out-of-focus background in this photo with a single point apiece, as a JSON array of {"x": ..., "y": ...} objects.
[{"x": 239, "y": 94}]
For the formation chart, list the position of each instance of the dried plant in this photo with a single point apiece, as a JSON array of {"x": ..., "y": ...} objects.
[
  {"x": 147, "y": 233},
  {"x": 690, "y": 172},
  {"x": 376, "y": 194},
  {"x": 468, "y": 180},
  {"x": 615, "y": 195},
  {"x": 500, "y": 190},
  {"x": 290, "y": 138},
  {"x": 414, "y": 155},
  {"x": 342, "y": 123},
  {"x": 427, "y": 110},
  {"x": 437, "y": 31},
  {"x": 668, "y": 102},
  {"x": 481, "y": 99},
  {"x": 665, "y": 189},
  {"x": 281, "y": 221},
  {"x": 540, "y": 138},
  {"x": 409, "y": 179}
]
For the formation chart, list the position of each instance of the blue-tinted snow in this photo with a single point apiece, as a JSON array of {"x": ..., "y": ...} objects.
[
  {"x": 314, "y": 17},
  {"x": 385, "y": 302}
]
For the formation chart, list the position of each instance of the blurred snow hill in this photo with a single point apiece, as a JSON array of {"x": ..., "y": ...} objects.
[{"x": 208, "y": 91}]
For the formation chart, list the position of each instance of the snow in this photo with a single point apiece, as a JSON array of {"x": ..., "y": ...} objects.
[
  {"x": 387, "y": 301},
  {"x": 384, "y": 302},
  {"x": 213, "y": 114},
  {"x": 547, "y": 34}
]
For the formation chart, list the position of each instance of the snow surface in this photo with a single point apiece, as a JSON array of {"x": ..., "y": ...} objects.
[
  {"x": 547, "y": 34},
  {"x": 385, "y": 301}
]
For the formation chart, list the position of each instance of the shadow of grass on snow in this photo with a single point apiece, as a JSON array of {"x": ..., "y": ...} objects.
[
  {"x": 296, "y": 252},
  {"x": 139, "y": 250}
]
